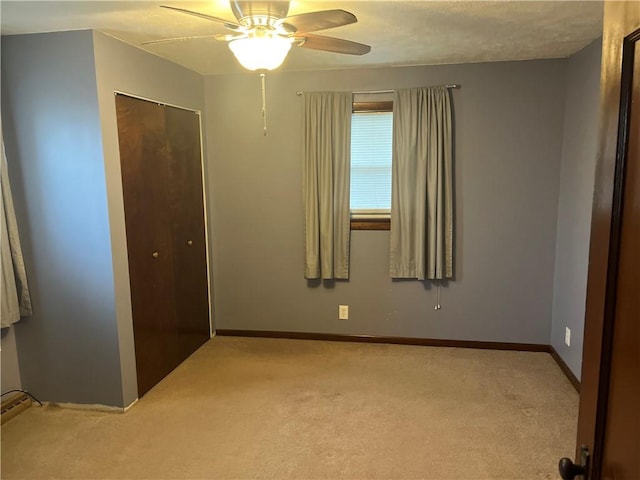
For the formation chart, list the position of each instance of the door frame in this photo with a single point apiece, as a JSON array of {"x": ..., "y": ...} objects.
[
  {"x": 205, "y": 197},
  {"x": 621, "y": 24},
  {"x": 611, "y": 293}
]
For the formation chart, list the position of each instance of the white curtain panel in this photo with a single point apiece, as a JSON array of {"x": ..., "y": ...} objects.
[
  {"x": 327, "y": 159},
  {"x": 421, "y": 245},
  {"x": 15, "y": 301}
]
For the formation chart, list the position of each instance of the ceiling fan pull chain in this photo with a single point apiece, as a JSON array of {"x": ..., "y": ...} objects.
[{"x": 264, "y": 102}]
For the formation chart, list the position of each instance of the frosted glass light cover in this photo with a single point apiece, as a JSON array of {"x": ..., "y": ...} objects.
[{"x": 260, "y": 53}]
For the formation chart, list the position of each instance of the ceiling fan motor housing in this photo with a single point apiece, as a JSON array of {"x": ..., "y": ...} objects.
[{"x": 250, "y": 13}]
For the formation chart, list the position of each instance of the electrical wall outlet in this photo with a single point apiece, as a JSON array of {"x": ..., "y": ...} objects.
[
  {"x": 567, "y": 336},
  {"x": 343, "y": 312}
]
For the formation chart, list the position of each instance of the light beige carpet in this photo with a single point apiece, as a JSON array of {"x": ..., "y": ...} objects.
[{"x": 281, "y": 409}]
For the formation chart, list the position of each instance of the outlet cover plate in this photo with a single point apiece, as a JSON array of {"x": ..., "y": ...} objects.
[{"x": 343, "y": 312}]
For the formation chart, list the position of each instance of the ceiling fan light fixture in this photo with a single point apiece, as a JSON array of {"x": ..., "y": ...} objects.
[{"x": 260, "y": 53}]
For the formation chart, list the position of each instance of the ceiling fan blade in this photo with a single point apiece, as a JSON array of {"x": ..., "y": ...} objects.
[
  {"x": 312, "y": 21},
  {"x": 177, "y": 39},
  {"x": 226, "y": 23},
  {"x": 227, "y": 38},
  {"x": 330, "y": 44}
]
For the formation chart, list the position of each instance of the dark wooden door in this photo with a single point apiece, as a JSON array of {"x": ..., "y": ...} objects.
[
  {"x": 622, "y": 426},
  {"x": 164, "y": 215},
  {"x": 609, "y": 422},
  {"x": 189, "y": 241}
]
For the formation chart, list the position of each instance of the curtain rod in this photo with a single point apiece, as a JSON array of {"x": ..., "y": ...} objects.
[{"x": 453, "y": 85}]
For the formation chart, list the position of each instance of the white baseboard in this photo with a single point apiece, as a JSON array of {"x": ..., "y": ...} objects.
[
  {"x": 96, "y": 407},
  {"x": 126, "y": 409}
]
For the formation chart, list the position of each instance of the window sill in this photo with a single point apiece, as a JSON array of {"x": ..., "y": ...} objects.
[{"x": 371, "y": 224}]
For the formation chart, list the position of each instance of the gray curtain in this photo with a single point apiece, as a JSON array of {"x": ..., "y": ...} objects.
[
  {"x": 15, "y": 301},
  {"x": 422, "y": 185},
  {"x": 327, "y": 159}
]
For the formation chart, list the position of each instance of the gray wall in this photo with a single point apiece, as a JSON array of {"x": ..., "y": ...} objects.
[
  {"x": 508, "y": 120},
  {"x": 10, "y": 374},
  {"x": 59, "y": 113},
  {"x": 574, "y": 209},
  {"x": 68, "y": 349},
  {"x": 130, "y": 70}
]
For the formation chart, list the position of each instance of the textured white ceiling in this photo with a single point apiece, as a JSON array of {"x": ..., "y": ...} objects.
[{"x": 399, "y": 32}]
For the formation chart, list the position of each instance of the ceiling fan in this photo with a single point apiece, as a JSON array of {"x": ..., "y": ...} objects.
[{"x": 263, "y": 33}]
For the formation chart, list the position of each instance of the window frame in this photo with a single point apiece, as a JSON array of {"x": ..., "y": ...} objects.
[{"x": 382, "y": 223}]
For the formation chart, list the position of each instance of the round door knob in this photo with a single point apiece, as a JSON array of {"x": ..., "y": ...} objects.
[
  {"x": 155, "y": 254},
  {"x": 569, "y": 470},
  {"x": 190, "y": 242}
]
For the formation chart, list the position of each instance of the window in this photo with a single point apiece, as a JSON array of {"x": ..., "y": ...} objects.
[{"x": 371, "y": 150}]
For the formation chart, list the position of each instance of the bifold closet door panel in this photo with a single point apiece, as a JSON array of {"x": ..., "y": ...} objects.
[
  {"x": 188, "y": 228},
  {"x": 144, "y": 158}
]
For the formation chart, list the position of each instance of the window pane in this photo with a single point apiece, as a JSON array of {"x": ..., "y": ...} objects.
[{"x": 371, "y": 143}]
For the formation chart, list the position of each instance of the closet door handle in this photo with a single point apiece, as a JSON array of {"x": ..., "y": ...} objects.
[
  {"x": 155, "y": 254},
  {"x": 190, "y": 242}
]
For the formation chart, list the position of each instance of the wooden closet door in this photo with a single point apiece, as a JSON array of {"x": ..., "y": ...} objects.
[
  {"x": 144, "y": 159},
  {"x": 188, "y": 228}
]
